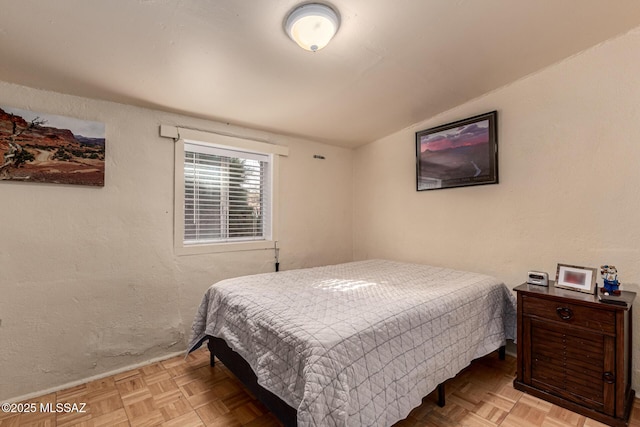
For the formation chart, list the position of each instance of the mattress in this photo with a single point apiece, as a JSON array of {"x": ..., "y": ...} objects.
[{"x": 361, "y": 343}]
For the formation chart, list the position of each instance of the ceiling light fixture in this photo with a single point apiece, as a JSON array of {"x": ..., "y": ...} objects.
[{"x": 312, "y": 25}]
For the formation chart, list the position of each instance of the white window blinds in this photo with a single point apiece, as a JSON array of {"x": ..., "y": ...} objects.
[{"x": 227, "y": 195}]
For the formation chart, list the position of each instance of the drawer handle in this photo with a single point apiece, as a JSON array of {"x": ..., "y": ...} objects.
[
  {"x": 565, "y": 313},
  {"x": 609, "y": 378}
]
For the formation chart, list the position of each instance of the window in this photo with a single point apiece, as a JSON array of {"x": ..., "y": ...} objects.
[
  {"x": 226, "y": 195},
  {"x": 225, "y": 192}
]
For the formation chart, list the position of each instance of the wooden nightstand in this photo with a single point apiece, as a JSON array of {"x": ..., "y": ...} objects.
[{"x": 575, "y": 351}]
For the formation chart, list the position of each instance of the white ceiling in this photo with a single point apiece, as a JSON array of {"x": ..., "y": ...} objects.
[{"x": 392, "y": 63}]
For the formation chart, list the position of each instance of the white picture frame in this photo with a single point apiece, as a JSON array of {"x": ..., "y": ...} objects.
[{"x": 576, "y": 278}]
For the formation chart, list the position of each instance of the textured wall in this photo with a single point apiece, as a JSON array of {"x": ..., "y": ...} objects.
[
  {"x": 569, "y": 180},
  {"x": 89, "y": 280}
]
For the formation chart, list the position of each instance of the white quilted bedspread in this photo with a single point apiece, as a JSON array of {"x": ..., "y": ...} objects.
[{"x": 357, "y": 344}]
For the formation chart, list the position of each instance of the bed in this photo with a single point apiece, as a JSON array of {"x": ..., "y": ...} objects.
[{"x": 354, "y": 344}]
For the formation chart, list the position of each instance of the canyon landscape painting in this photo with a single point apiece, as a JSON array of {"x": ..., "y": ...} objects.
[{"x": 37, "y": 147}]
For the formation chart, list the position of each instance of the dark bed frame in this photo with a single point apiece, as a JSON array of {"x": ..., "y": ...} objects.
[{"x": 241, "y": 369}]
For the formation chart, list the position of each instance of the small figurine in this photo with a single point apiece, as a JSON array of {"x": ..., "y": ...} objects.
[{"x": 609, "y": 275}]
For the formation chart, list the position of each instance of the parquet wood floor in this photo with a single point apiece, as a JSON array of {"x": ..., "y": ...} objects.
[{"x": 188, "y": 392}]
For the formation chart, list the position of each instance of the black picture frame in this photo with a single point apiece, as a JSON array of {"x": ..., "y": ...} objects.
[{"x": 458, "y": 154}]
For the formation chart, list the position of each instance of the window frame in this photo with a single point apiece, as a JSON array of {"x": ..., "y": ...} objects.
[{"x": 228, "y": 142}]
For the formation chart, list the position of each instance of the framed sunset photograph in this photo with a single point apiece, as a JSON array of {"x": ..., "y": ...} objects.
[{"x": 458, "y": 154}]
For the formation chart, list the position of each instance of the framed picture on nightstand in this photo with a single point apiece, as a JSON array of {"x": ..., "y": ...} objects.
[{"x": 575, "y": 278}]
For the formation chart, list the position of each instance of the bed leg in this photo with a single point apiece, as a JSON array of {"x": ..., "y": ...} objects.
[
  {"x": 502, "y": 351},
  {"x": 212, "y": 358},
  {"x": 441, "y": 395}
]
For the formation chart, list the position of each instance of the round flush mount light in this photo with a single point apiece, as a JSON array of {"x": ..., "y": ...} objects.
[{"x": 312, "y": 25}]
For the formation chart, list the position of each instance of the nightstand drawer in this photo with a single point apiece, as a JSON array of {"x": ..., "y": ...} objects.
[{"x": 577, "y": 315}]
